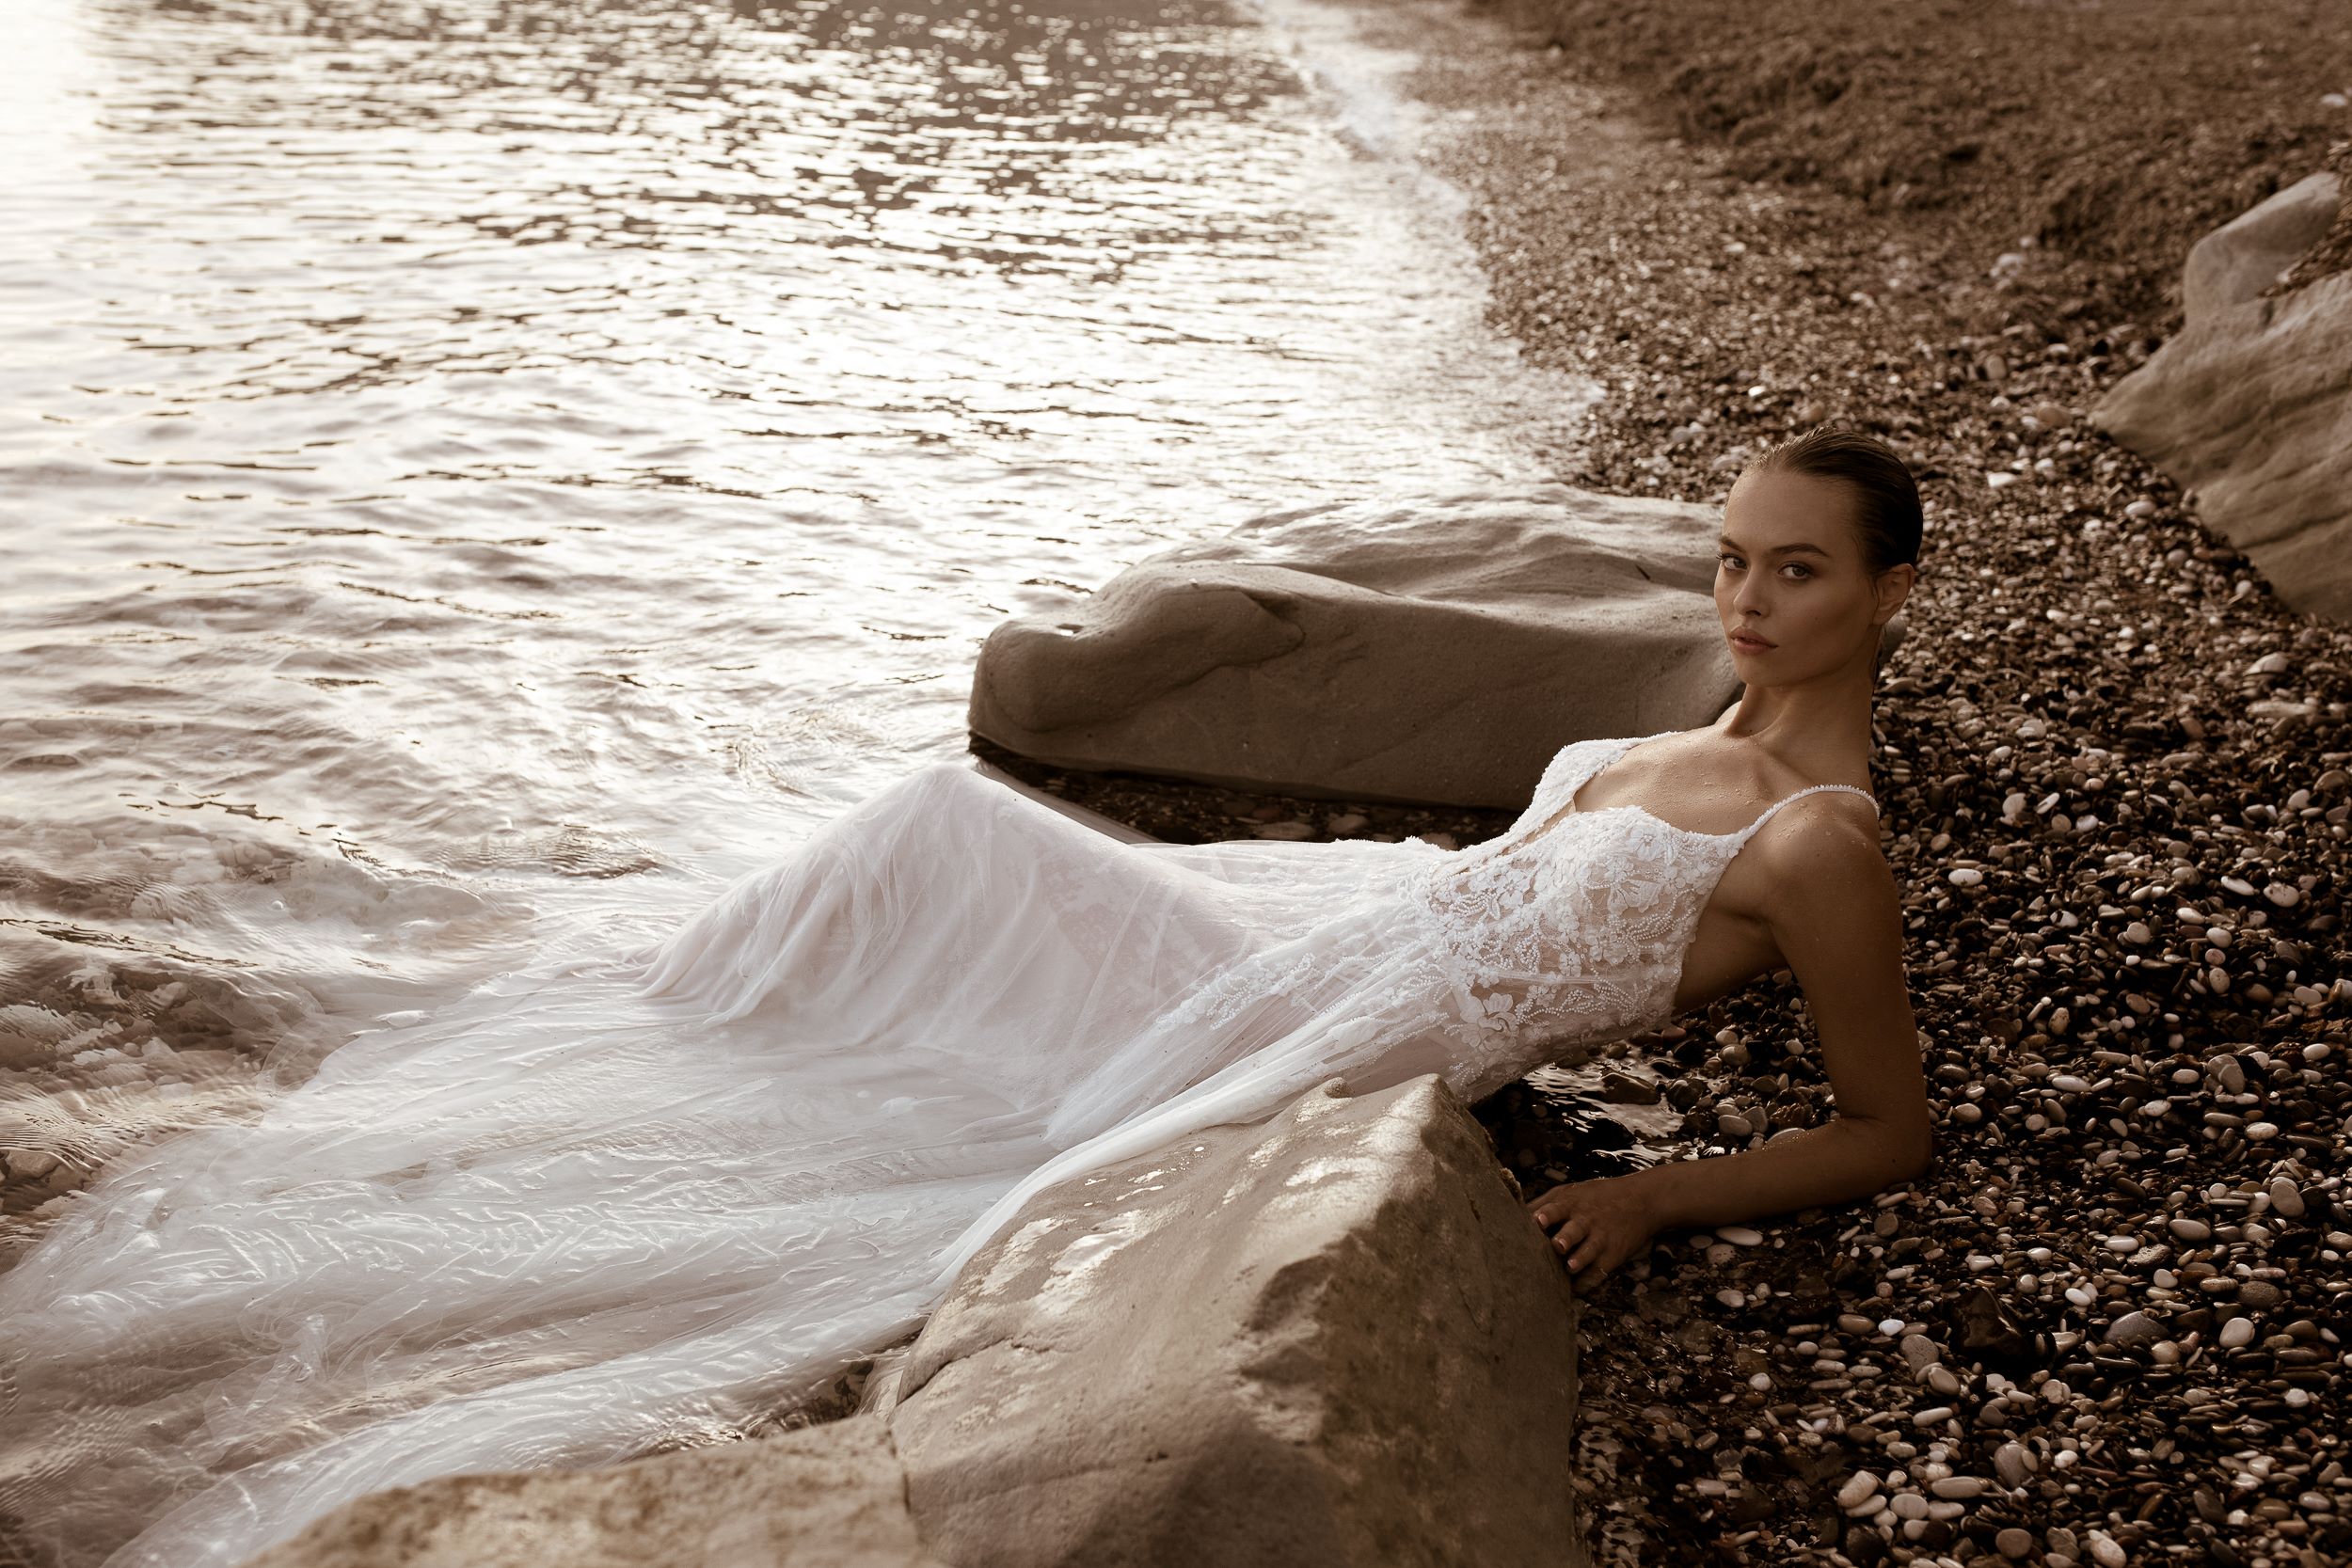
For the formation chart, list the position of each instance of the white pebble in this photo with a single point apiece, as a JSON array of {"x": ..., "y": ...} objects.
[
  {"x": 1860, "y": 1488},
  {"x": 1739, "y": 1235},
  {"x": 2237, "y": 1332}
]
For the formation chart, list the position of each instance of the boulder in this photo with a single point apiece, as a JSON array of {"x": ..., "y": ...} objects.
[
  {"x": 1333, "y": 1338},
  {"x": 819, "y": 1496},
  {"x": 2250, "y": 407},
  {"x": 1437, "y": 650}
]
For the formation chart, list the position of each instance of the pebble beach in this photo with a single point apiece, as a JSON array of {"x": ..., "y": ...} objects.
[{"x": 2110, "y": 1325}]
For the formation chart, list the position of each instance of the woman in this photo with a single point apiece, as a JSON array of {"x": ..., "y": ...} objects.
[
  {"x": 1801, "y": 599},
  {"x": 610, "y": 1207}
]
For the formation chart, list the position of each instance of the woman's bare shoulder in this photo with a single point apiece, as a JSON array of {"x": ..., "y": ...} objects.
[{"x": 1819, "y": 855}]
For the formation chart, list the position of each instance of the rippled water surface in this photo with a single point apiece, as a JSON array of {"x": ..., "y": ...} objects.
[{"x": 455, "y": 457}]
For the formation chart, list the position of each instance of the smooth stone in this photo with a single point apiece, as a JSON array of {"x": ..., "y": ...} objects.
[
  {"x": 2248, "y": 404},
  {"x": 2189, "y": 1230},
  {"x": 2286, "y": 1198},
  {"x": 1739, "y": 1235},
  {"x": 1331, "y": 1337},
  {"x": 2236, "y": 1333},
  {"x": 2008, "y": 1463},
  {"x": 1958, "y": 1488},
  {"x": 1347, "y": 650},
  {"x": 2132, "y": 1328},
  {"x": 1860, "y": 1488}
]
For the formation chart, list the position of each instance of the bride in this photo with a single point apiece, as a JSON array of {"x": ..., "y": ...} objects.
[{"x": 644, "y": 1201}]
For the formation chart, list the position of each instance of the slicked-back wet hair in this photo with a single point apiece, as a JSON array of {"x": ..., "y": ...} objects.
[{"x": 1886, "y": 499}]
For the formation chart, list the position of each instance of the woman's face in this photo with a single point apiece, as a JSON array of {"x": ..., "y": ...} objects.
[{"x": 1789, "y": 574}]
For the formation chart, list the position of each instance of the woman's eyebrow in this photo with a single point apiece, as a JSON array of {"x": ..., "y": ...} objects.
[{"x": 1776, "y": 549}]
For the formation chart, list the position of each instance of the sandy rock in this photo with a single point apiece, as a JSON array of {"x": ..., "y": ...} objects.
[
  {"x": 1437, "y": 650},
  {"x": 823, "y": 1496},
  {"x": 1334, "y": 1338},
  {"x": 2251, "y": 406}
]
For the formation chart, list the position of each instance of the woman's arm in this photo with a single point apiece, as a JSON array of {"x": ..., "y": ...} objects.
[{"x": 1837, "y": 916}]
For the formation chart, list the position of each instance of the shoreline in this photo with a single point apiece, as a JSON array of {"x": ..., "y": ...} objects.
[
  {"x": 2076, "y": 1340},
  {"x": 2109, "y": 1326}
]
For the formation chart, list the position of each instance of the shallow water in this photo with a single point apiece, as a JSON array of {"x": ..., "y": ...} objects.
[{"x": 459, "y": 459}]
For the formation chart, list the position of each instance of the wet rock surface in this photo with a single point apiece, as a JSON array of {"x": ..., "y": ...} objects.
[
  {"x": 2109, "y": 1326},
  {"x": 1334, "y": 1338}
]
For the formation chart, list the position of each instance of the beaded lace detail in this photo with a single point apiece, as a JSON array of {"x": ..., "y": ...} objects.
[{"x": 1571, "y": 926}]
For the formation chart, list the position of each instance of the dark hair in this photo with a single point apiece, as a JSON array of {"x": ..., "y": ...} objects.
[{"x": 1886, "y": 500}]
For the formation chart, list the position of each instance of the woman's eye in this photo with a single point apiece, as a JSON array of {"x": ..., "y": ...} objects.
[{"x": 1798, "y": 566}]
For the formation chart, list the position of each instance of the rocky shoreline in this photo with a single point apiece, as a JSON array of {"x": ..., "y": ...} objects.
[{"x": 2110, "y": 1327}]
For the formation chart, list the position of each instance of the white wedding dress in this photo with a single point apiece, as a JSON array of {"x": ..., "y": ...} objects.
[{"x": 576, "y": 1216}]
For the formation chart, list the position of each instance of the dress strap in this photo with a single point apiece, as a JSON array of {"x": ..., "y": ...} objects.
[{"x": 1801, "y": 794}]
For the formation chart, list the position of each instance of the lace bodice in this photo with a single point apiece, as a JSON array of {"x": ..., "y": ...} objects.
[{"x": 1571, "y": 926}]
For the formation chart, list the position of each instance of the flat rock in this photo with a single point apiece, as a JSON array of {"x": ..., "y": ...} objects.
[
  {"x": 2250, "y": 405},
  {"x": 1438, "y": 649},
  {"x": 1332, "y": 1338},
  {"x": 821, "y": 1497}
]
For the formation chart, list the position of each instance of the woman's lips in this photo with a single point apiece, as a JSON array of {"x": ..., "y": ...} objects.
[{"x": 1753, "y": 644}]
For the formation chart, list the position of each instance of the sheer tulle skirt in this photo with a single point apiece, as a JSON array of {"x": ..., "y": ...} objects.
[{"x": 593, "y": 1210}]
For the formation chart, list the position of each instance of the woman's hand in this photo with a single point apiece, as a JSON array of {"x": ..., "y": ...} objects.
[{"x": 1598, "y": 1224}]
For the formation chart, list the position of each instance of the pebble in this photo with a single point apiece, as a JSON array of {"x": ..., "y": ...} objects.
[
  {"x": 1860, "y": 1487},
  {"x": 1739, "y": 1235},
  {"x": 2008, "y": 1463},
  {"x": 1958, "y": 1488},
  {"x": 2095, "y": 999}
]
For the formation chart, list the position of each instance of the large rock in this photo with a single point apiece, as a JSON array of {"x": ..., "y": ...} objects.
[
  {"x": 1332, "y": 1338},
  {"x": 2250, "y": 405},
  {"x": 821, "y": 1497},
  {"x": 1432, "y": 650}
]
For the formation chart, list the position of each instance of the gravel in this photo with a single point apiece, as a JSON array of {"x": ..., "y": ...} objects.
[{"x": 2108, "y": 1326}]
